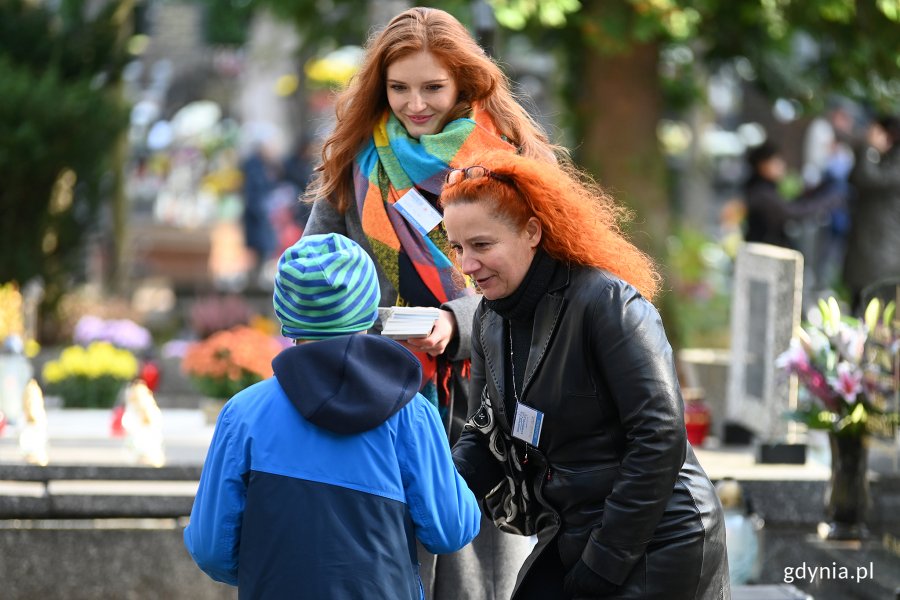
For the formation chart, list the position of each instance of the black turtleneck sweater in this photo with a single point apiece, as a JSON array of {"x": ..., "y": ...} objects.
[{"x": 517, "y": 311}]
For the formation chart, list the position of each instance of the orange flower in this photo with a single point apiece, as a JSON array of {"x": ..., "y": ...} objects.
[{"x": 240, "y": 355}]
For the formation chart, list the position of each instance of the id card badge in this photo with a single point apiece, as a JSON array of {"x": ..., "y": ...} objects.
[
  {"x": 418, "y": 211},
  {"x": 527, "y": 424}
]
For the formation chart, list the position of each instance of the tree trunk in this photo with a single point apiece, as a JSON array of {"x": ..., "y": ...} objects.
[
  {"x": 619, "y": 109},
  {"x": 619, "y": 104}
]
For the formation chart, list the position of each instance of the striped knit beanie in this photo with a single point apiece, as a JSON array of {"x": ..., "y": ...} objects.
[{"x": 325, "y": 286}]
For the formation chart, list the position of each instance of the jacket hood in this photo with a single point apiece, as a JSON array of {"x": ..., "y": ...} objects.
[{"x": 348, "y": 384}]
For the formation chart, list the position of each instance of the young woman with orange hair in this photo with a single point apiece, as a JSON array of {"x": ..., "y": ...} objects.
[
  {"x": 425, "y": 99},
  {"x": 579, "y": 434}
]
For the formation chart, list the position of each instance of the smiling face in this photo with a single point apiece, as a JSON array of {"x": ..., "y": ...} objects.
[
  {"x": 421, "y": 93},
  {"x": 490, "y": 249}
]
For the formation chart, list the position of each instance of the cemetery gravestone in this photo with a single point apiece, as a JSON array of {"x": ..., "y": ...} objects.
[{"x": 765, "y": 312}]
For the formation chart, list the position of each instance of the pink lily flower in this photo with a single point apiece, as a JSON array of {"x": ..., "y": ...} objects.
[
  {"x": 847, "y": 382},
  {"x": 794, "y": 358}
]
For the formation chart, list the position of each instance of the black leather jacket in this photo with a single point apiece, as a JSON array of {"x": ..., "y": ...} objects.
[{"x": 612, "y": 476}]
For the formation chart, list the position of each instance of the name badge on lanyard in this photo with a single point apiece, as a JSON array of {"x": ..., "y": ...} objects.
[
  {"x": 527, "y": 424},
  {"x": 418, "y": 211}
]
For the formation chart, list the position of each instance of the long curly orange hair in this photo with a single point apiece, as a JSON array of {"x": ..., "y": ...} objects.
[
  {"x": 580, "y": 222},
  {"x": 364, "y": 101}
]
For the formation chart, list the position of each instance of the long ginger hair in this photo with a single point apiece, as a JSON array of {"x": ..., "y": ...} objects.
[
  {"x": 580, "y": 222},
  {"x": 360, "y": 106}
]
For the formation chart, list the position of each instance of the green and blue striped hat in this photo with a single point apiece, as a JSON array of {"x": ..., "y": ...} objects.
[{"x": 325, "y": 286}]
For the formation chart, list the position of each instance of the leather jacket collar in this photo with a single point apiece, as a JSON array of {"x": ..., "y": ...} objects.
[{"x": 546, "y": 317}]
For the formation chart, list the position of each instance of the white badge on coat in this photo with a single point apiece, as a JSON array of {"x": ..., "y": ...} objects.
[
  {"x": 418, "y": 211},
  {"x": 527, "y": 424}
]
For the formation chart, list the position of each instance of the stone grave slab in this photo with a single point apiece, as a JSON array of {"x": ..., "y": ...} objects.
[{"x": 766, "y": 310}]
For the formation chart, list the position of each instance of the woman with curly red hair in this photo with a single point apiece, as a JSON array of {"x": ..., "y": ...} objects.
[
  {"x": 426, "y": 98},
  {"x": 579, "y": 433}
]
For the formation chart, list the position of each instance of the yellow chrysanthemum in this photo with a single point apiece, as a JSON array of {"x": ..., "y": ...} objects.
[{"x": 54, "y": 372}]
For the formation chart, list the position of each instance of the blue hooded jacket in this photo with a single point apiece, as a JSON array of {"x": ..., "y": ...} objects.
[{"x": 318, "y": 480}]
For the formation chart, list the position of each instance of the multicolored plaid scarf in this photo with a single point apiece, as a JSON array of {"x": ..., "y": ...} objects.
[{"x": 391, "y": 164}]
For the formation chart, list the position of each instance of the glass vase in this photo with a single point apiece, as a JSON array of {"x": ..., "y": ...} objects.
[{"x": 847, "y": 494}]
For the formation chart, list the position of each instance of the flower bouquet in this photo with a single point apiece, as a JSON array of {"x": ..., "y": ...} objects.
[
  {"x": 90, "y": 377},
  {"x": 229, "y": 361},
  {"x": 848, "y": 371}
]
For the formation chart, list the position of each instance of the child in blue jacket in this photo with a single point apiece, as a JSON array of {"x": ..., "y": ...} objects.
[{"x": 319, "y": 479}]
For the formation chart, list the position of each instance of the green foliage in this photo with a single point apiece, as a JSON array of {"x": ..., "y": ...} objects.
[
  {"x": 890, "y": 8},
  {"x": 330, "y": 24},
  {"x": 85, "y": 392},
  {"x": 514, "y": 14},
  {"x": 700, "y": 279},
  {"x": 226, "y": 21},
  {"x": 622, "y": 22},
  {"x": 217, "y": 387},
  {"x": 680, "y": 82},
  {"x": 59, "y": 120},
  {"x": 855, "y": 53}
]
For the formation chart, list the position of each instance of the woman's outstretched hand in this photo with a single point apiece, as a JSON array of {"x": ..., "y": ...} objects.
[{"x": 436, "y": 342}]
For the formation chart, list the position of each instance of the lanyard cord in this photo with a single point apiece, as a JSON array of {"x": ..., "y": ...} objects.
[
  {"x": 512, "y": 369},
  {"x": 512, "y": 364}
]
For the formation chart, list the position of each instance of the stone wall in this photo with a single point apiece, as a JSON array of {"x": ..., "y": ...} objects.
[{"x": 118, "y": 559}]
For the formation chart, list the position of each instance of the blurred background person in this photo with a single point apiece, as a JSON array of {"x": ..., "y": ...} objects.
[
  {"x": 873, "y": 247},
  {"x": 261, "y": 169},
  {"x": 296, "y": 172},
  {"x": 770, "y": 215},
  {"x": 828, "y": 160}
]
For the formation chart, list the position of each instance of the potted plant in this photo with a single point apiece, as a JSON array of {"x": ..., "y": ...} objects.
[
  {"x": 122, "y": 333},
  {"x": 90, "y": 377},
  {"x": 848, "y": 370},
  {"x": 228, "y": 361}
]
